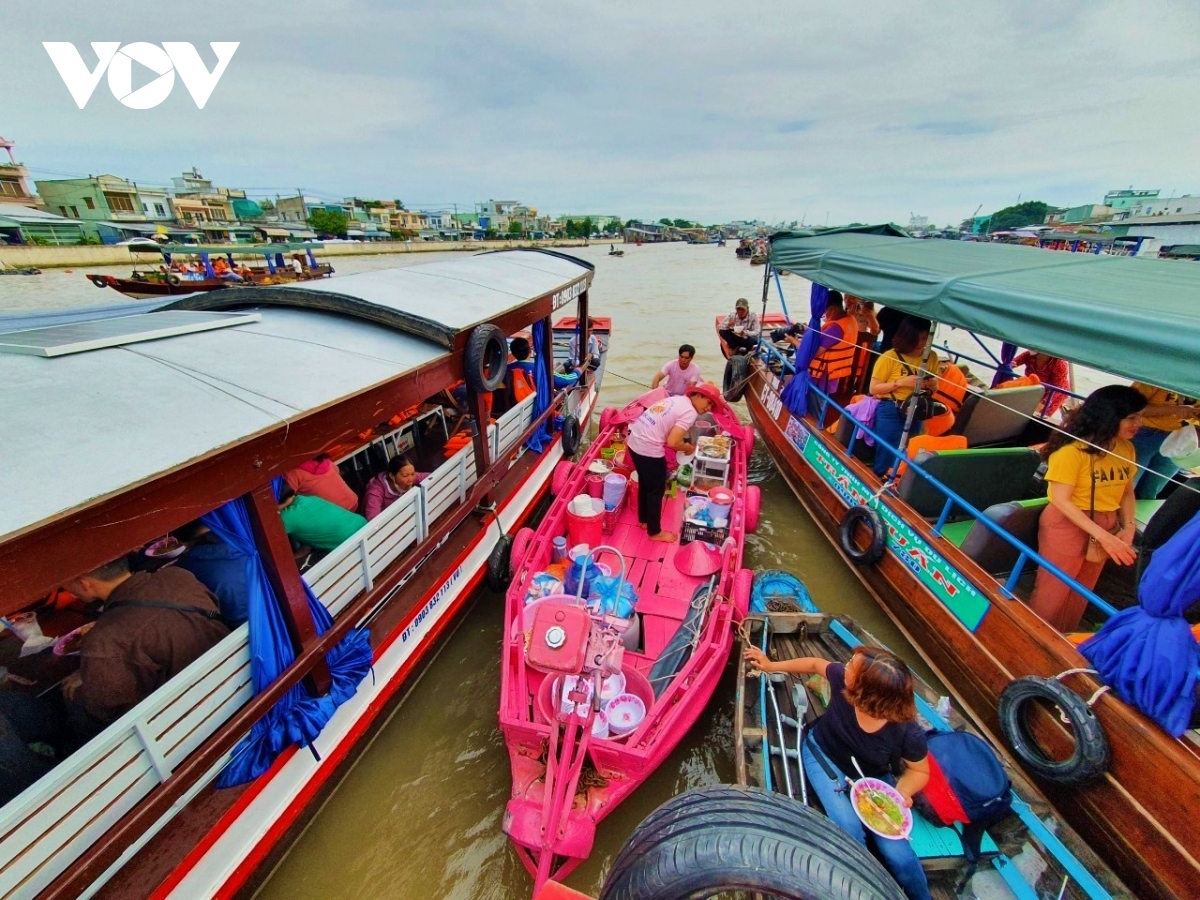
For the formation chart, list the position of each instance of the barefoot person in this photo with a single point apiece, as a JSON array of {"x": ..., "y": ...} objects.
[{"x": 662, "y": 427}]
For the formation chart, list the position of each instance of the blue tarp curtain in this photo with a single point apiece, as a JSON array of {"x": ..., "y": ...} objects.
[
  {"x": 795, "y": 392},
  {"x": 1147, "y": 653},
  {"x": 298, "y": 717},
  {"x": 543, "y": 360},
  {"x": 1004, "y": 371}
]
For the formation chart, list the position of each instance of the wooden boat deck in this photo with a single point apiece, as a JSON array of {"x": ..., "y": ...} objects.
[{"x": 939, "y": 848}]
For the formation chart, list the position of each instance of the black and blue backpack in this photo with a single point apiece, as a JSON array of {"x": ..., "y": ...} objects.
[{"x": 968, "y": 789}]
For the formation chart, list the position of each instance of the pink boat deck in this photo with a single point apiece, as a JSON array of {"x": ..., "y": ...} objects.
[{"x": 548, "y": 757}]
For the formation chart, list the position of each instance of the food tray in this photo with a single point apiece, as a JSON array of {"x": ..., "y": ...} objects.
[{"x": 716, "y": 447}]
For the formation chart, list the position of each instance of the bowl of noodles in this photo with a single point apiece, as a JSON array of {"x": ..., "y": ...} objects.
[{"x": 880, "y": 808}]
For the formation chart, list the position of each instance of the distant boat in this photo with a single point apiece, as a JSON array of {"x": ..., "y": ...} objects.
[
  {"x": 215, "y": 269},
  {"x": 613, "y": 251}
]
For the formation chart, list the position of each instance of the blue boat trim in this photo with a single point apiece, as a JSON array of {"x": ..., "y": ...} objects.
[{"x": 1060, "y": 851}]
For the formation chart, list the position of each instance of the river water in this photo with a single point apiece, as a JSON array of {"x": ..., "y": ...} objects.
[{"x": 419, "y": 815}]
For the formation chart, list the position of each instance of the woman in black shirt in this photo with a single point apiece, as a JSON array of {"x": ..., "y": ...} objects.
[{"x": 871, "y": 726}]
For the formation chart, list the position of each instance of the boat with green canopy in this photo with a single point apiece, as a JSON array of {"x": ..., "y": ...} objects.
[{"x": 949, "y": 547}]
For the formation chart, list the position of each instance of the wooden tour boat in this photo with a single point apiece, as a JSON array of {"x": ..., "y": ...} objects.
[
  {"x": 569, "y": 770},
  {"x": 200, "y": 406},
  {"x": 950, "y": 574},
  {"x": 1034, "y": 853},
  {"x": 165, "y": 278}
]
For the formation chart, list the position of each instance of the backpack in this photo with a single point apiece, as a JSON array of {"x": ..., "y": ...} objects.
[{"x": 967, "y": 786}]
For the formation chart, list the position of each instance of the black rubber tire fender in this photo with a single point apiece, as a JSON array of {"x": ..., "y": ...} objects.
[
  {"x": 570, "y": 436},
  {"x": 727, "y": 838},
  {"x": 1090, "y": 758},
  {"x": 486, "y": 358},
  {"x": 864, "y": 515},
  {"x": 733, "y": 384},
  {"x": 98, "y": 280},
  {"x": 174, "y": 279},
  {"x": 498, "y": 575}
]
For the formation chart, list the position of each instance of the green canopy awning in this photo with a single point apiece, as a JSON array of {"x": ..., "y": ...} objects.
[{"x": 1139, "y": 318}]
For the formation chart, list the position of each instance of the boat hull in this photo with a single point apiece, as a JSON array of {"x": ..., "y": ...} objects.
[
  {"x": 272, "y": 812},
  {"x": 1138, "y": 816}
]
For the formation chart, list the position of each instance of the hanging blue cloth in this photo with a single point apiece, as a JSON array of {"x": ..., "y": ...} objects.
[
  {"x": 543, "y": 360},
  {"x": 1004, "y": 372},
  {"x": 298, "y": 717},
  {"x": 795, "y": 393},
  {"x": 1147, "y": 653}
]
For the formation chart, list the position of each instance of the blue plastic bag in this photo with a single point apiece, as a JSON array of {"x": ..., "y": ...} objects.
[{"x": 604, "y": 595}]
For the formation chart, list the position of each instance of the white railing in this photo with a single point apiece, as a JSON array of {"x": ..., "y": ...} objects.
[
  {"x": 511, "y": 426},
  {"x": 54, "y": 821}
]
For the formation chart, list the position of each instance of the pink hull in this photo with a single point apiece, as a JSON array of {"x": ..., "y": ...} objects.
[{"x": 565, "y": 781}]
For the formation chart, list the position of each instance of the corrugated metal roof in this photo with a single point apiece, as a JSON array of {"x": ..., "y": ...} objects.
[{"x": 79, "y": 428}]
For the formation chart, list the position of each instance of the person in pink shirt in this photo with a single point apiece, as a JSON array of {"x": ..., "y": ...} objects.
[
  {"x": 679, "y": 374},
  {"x": 662, "y": 427},
  {"x": 387, "y": 487},
  {"x": 320, "y": 478}
]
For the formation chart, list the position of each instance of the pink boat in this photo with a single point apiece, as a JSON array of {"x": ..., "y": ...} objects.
[{"x": 592, "y": 702}]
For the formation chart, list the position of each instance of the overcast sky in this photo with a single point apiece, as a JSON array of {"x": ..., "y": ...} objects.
[{"x": 851, "y": 111}]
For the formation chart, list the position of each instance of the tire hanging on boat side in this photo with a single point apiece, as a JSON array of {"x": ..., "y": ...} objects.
[
  {"x": 498, "y": 575},
  {"x": 1090, "y": 756},
  {"x": 873, "y": 552},
  {"x": 570, "y": 436},
  {"x": 733, "y": 384},
  {"x": 486, "y": 359},
  {"x": 728, "y": 838}
]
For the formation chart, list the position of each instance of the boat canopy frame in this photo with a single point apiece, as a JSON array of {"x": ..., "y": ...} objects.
[{"x": 1130, "y": 317}]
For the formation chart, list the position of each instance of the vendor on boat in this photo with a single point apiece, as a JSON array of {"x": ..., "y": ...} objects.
[
  {"x": 680, "y": 373},
  {"x": 893, "y": 380},
  {"x": 1090, "y": 518},
  {"x": 740, "y": 329},
  {"x": 318, "y": 523},
  {"x": 320, "y": 477},
  {"x": 387, "y": 487},
  {"x": 1165, "y": 412},
  {"x": 662, "y": 427},
  {"x": 868, "y": 730}
]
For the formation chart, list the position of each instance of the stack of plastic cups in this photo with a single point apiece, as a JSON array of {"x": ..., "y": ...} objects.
[{"x": 614, "y": 490}]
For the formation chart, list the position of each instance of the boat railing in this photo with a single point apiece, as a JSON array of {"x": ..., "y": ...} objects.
[
  {"x": 1025, "y": 554},
  {"x": 54, "y": 821},
  {"x": 46, "y": 828}
]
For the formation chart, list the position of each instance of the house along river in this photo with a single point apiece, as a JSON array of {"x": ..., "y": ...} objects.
[{"x": 419, "y": 814}]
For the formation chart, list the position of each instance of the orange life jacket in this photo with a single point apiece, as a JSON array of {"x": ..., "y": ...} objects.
[
  {"x": 1023, "y": 381},
  {"x": 837, "y": 361},
  {"x": 951, "y": 388},
  {"x": 951, "y": 391},
  {"x": 522, "y": 382}
]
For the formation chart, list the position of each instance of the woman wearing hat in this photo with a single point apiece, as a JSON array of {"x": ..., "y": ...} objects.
[
  {"x": 741, "y": 328},
  {"x": 662, "y": 427}
]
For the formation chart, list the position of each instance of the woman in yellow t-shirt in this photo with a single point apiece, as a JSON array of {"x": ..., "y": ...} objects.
[
  {"x": 1090, "y": 482},
  {"x": 893, "y": 380}
]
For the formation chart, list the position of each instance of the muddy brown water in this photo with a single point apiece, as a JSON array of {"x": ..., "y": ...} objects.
[{"x": 419, "y": 814}]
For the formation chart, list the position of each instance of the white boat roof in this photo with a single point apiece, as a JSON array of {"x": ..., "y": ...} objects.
[
  {"x": 81, "y": 427},
  {"x": 437, "y": 300}
]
